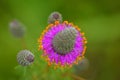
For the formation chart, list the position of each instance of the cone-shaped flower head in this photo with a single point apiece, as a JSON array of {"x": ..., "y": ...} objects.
[
  {"x": 17, "y": 29},
  {"x": 25, "y": 57},
  {"x": 63, "y": 44},
  {"x": 55, "y": 16}
]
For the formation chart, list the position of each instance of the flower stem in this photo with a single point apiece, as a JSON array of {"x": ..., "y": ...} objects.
[
  {"x": 23, "y": 43},
  {"x": 75, "y": 77}
]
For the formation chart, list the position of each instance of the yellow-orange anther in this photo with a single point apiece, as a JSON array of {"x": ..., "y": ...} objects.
[
  {"x": 57, "y": 22},
  {"x": 65, "y": 22},
  {"x": 84, "y": 51}
]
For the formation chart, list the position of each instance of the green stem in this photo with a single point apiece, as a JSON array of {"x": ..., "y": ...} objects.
[
  {"x": 23, "y": 43},
  {"x": 75, "y": 77}
]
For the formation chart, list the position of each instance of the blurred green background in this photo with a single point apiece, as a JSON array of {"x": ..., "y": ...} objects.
[{"x": 99, "y": 19}]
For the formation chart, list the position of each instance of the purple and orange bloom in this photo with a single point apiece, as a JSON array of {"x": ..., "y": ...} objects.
[{"x": 63, "y": 44}]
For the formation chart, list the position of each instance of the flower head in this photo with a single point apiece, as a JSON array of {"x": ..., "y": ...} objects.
[
  {"x": 63, "y": 44},
  {"x": 25, "y": 57}
]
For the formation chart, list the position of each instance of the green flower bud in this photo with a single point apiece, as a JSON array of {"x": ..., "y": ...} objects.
[
  {"x": 55, "y": 16},
  {"x": 17, "y": 29},
  {"x": 25, "y": 57}
]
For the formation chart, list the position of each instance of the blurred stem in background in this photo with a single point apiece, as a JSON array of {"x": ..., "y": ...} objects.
[{"x": 24, "y": 46}]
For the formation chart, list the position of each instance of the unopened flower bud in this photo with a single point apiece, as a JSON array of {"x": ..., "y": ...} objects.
[
  {"x": 17, "y": 29},
  {"x": 25, "y": 57},
  {"x": 55, "y": 16},
  {"x": 83, "y": 65}
]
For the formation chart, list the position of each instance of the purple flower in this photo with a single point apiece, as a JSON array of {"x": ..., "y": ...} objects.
[{"x": 63, "y": 44}]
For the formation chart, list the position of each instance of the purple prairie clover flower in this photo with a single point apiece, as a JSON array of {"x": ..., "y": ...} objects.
[{"x": 63, "y": 44}]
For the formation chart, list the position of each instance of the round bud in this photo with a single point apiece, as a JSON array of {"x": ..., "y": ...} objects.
[
  {"x": 25, "y": 57},
  {"x": 83, "y": 65},
  {"x": 17, "y": 29},
  {"x": 55, "y": 16},
  {"x": 64, "y": 41}
]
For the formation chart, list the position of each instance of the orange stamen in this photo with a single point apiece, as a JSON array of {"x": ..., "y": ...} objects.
[
  {"x": 57, "y": 22},
  {"x": 65, "y": 22}
]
